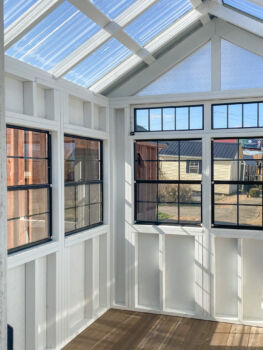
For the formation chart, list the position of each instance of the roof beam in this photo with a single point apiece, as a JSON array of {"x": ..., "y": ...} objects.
[
  {"x": 234, "y": 17},
  {"x": 167, "y": 61},
  {"x": 173, "y": 31},
  {"x": 28, "y": 20},
  {"x": 257, "y": 2},
  {"x": 110, "y": 29}
]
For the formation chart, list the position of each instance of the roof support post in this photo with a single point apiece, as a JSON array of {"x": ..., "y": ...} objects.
[{"x": 3, "y": 194}]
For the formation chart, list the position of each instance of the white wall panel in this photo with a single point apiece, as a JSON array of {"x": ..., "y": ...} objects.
[
  {"x": 253, "y": 279},
  {"x": 148, "y": 271},
  {"x": 226, "y": 277},
  {"x": 76, "y": 111},
  {"x": 190, "y": 75},
  {"x": 179, "y": 273},
  {"x": 77, "y": 290},
  {"x": 16, "y": 308},
  {"x": 14, "y": 95},
  {"x": 240, "y": 68},
  {"x": 103, "y": 264}
]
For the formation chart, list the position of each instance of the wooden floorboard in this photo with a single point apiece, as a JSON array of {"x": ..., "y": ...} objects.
[{"x": 127, "y": 330}]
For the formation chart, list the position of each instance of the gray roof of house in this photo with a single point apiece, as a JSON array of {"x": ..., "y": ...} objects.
[{"x": 194, "y": 149}]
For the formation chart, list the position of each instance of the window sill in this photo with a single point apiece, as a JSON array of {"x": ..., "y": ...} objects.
[
  {"x": 85, "y": 235},
  {"x": 169, "y": 229},
  {"x": 35, "y": 252}
]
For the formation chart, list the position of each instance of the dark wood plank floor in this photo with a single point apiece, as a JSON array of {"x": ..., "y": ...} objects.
[{"x": 127, "y": 330}]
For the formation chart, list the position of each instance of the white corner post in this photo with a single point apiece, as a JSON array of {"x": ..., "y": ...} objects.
[{"x": 3, "y": 194}]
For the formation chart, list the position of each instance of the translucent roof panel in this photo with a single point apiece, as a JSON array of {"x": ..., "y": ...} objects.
[
  {"x": 99, "y": 63},
  {"x": 14, "y": 9},
  {"x": 56, "y": 36},
  {"x": 112, "y": 8},
  {"x": 156, "y": 19},
  {"x": 247, "y": 7}
]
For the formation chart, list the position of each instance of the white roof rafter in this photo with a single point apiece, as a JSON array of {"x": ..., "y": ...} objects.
[
  {"x": 28, "y": 20},
  {"x": 174, "y": 30},
  {"x": 110, "y": 29}
]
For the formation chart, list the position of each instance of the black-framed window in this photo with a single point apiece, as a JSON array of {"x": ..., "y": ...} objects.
[
  {"x": 29, "y": 187},
  {"x": 165, "y": 191},
  {"x": 237, "y": 115},
  {"x": 83, "y": 183},
  {"x": 169, "y": 118},
  {"x": 237, "y": 174}
]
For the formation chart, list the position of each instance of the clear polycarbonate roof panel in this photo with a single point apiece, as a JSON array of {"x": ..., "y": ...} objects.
[
  {"x": 247, "y": 7},
  {"x": 13, "y": 9},
  {"x": 156, "y": 19},
  {"x": 99, "y": 63},
  {"x": 54, "y": 38},
  {"x": 112, "y": 8}
]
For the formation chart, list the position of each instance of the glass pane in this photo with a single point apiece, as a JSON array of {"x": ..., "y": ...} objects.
[
  {"x": 38, "y": 201},
  {"x": 190, "y": 193},
  {"x": 17, "y": 231},
  {"x": 69, "y": 171},
  {"x": 260, "y": 112},
  {"x": 250, "y": 115},
  {"x": 220, "y": 117},
  {"x": 182, "y": 118},
  {"x": 168, "y": 213},
  {"x": 168, "y": 193},
  {"x": 15, "y": 172},
  {"x": 156, "y": 19},
  {"x": 82, "y": 216},
  {"x": 225, "y": 149},
  {"x": 250, "y": 170},
  {"x": 99, "y": 63},
  {"x": 38, "y": 227},
  {"x": 168, "y": 118},
  {"x": 155, "y": 119},
  {"x": 36, "y": 171},
  {"x": 168, "y": 170},
  {"x": 226, "y": 170},
  {"x": 92, "y": 172},
  {"x": 146, "y": 150},
  {"x": 191, "y": 170},
  {"x": 250, "y": 215},
  {"x": 146, "y": 212},
  {"x": 168, "y": 150},
  {"x": 69, "y": 148},
  {"x": 250, "y": 149},
  {"x": 82, "y": 195},
  {"x": 113, "y": 8},
  {"x": 36, "y": 144},
  {"x": 190, "y": 213},
  {"x": 54, "y": 37},
  {"x": 142, "y": 121},
  {"x": 235, "y": 116},
  {"x": 196, "y": 118},
  {"x": 95, "y": 214},
  {"x": 14, "y": 9},
  {"x": 81, "y": 146},
  {"x": 191, "y": 149},
  {"x": 15, "y": 139},
  {"x": 79, "y": 170},
  {"x": 17, "y": 204},
  {"x": 69, "y": 194},
  {"x": 146, "y": 192},
  {"x": 93, "y": 149},
  {"x": 225, "y": 194},
  {"x": 225, "y": 215},
  {"x": 95, "y": 193},
  {"x": 250, "y": 194},
  {"x": 70, "y": 220},
  {"x": 146, "y": 170},
  {"x": 246, "y": 6}
]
